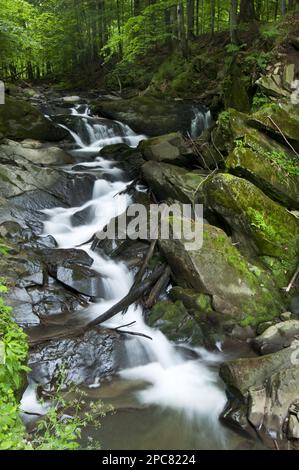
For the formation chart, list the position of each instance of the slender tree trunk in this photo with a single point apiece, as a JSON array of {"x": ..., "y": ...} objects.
[
  {"x": 190, "y": 18},
  {"x": 213, "y": 14},
  {"x": 182, "y": 28},
  {"x": 247, "y": 12},
  {"x": 233, "y": 21}
]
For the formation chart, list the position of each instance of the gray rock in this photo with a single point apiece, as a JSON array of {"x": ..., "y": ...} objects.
[
  {"x": 261, "y": 392},
  {"x": 86, "y": 360},
  {"x": 276, "y": 337}
]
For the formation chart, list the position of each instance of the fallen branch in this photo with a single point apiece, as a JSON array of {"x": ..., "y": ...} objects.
[
  {"x": 292, "y": 281},
  {"x": 158, "y": 288},
  {"x": 145, "y": 263}
]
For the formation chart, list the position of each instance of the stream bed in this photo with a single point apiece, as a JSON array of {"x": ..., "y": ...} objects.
[{"x": 165, "y": 395}]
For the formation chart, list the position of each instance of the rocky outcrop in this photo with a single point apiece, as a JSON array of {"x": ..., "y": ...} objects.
[
  {"x": 149, "y": 115},
  {"x": 20, "y": 120},
  {"x": 264, "y": 396}
]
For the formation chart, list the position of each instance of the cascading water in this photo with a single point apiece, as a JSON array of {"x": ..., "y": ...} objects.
[
  {"x": 202, "y": 120},
  {"x": 172, "y": 380}
]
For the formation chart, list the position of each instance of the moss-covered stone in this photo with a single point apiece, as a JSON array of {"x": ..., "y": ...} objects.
[
  {"x": 263, "y": 170},
  {"x": 20, "y": 120},
  {"x": 219, "y": 271},
  {"x": 281, "y": 121},
  {"x": 253, "y": 217},
  {"x": 170, "y": 181},
  {"x": 175, "y": 322}
]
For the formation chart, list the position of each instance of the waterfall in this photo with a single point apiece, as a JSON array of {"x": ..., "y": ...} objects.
[
  {"x": 201, "y": 121},
  {"x": 189, "y": 386}
]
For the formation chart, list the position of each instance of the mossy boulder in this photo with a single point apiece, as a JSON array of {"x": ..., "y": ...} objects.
[
  {"x": 170, "y": 181},
  {"x": 20, "y": 120},
  {"x": 268, "y": 171},
  {"x": 175, "y": 322},
  {"x": 169, "y": 148},
  {"x": 218, "y": 270},
  {"x": 148, "y": 115},
  {"x": 257, "y": 222}
]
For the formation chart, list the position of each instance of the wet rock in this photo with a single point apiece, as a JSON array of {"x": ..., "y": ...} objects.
[
  {"x": 36, "y": 152},
  {"x": 20, "y": 120},
  {"x": 72, "y": 269},
  {"x": 149, "y": 115},
  {"x": 170, "y": 148},
  {"x": 218, "y": 269},
  {"x": 276, "y": 337},
  {"x": 85, "y": 361},
  {"x": 128, "y": 159},
  {"x": 170, "y": 181},
  {"x": 261, "y": 392},
  {"x": 175, "y": 322}
]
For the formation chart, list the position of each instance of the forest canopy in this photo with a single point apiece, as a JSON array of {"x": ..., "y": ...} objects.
[{"x": 54, "y": 38}]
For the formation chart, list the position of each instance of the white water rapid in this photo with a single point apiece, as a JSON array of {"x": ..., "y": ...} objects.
[{"x": 186, "y": 383}]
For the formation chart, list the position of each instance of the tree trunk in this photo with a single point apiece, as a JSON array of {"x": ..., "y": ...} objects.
[
  {"x": 213, "y": 14},
  {"x": 233, "y": 21},
  {"x": 190, "y": 18},
  {"x": 181, "y": 28},
  {"x": 247, "y": 12}
]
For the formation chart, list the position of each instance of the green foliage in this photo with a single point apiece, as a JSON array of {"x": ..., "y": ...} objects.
[
  {"x": 284, "y": 161},
  {"x": 271, "y": 31},
  {"x": 259, "y": 101},
  {"x": 258, "y": 58},
  {"x": 61, "y": 428}
]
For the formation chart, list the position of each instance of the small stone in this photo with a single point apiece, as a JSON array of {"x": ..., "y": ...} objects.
[
  {"x": 71, "y": 99},
  {"x": 286, "y": 316}
]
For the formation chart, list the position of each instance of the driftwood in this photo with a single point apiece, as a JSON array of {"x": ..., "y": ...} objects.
[
  {"x": 70, "y": 330},
  {"x": 158, "y": 288},
  {"x": 145, "y": 263}
]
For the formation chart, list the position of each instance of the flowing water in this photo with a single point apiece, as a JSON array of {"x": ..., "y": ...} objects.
[{"x": 167, "y": 396}]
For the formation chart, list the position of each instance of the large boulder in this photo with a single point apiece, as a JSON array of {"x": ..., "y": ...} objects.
[
  {"x": 20, "y": 120},
  {"x": 257, "y": 222},
  {"x": 170, "y": 181},
  {"x": 238, "y": 292},
  {"x": 263, "y": 392},
  {"x": 169, "y": 148},
  {"x": 265, "y": 170},
  {"x": 36, "y": 152},
  {"x": 149, "y": 115}
]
